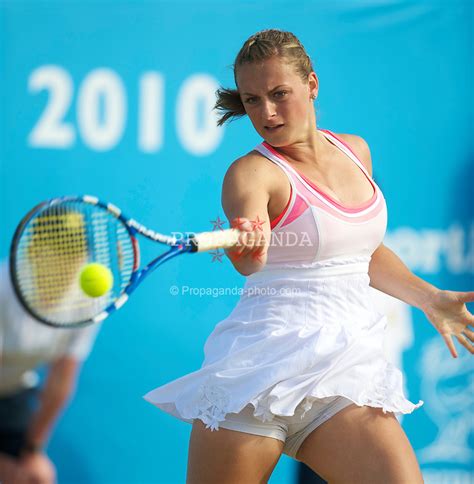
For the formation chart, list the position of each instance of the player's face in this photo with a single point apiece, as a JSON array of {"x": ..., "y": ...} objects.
[{"x": 277, "y": 100}]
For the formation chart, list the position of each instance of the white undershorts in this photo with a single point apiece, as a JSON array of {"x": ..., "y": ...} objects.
[{"x": 292, "y": 430}]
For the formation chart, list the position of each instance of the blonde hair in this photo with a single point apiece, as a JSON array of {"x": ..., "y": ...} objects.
[{"x": 259, "y": 47}]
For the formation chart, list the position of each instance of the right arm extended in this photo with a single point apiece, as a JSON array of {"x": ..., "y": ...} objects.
[{"x": 245, "y": 197}]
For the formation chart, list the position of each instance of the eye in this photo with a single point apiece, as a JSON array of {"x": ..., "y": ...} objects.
[
  {"x": 280, "y": 94},
  {"x": 251, "y": 100}
]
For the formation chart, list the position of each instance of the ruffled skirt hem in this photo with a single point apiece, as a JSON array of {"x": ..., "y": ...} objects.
[
  {"x": 212, "y": 419},
  {"x": 213, "y": 402}
]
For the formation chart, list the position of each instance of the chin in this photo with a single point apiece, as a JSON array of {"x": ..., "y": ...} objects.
[{"x": 277, "y": 139}]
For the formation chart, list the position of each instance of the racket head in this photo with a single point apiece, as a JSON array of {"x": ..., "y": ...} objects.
[{"x": 51, "y": 246}]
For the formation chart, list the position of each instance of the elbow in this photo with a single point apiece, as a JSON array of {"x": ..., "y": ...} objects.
[
  {"x": 248, "y": 265},
  {"x": 247, "y": 272}
]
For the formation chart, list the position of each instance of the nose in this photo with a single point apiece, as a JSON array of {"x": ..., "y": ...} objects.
[{"x": 268, "y": 110}]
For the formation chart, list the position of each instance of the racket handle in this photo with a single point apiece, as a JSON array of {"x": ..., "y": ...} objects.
[{"x": 222, "y": 239}]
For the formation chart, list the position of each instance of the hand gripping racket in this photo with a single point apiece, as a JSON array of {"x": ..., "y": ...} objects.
[{"x": 58, "y": 237}]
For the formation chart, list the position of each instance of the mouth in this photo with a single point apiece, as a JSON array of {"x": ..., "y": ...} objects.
[{"x": 272, "y": 129}]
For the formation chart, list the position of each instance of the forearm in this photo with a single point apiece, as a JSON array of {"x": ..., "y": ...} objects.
[
  {"x": 390, "y": 275},
  {"x": 56, "y": 393},
  {"x": 50, "y": 407}
]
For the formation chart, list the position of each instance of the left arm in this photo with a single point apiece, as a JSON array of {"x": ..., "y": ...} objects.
[
  {"x": 58, "y": 388},
  {"x": 446, "y": 310},
  {"x": 57, "y": 391},
  {"x": 390, "y": 275}
]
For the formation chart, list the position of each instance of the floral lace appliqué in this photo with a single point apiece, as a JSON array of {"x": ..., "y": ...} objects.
[
  {"x": 212, "y": 405},
  {"x": 307, "y": 405},
  {"x": 263, "y": 412}
]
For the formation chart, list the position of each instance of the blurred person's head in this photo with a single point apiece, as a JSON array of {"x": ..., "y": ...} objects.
[
  {"x": 276, "y": 87},
  {"x": 56, "y": 250}
]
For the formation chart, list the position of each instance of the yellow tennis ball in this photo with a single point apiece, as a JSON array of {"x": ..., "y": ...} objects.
[{"x": 96, "y": 279}]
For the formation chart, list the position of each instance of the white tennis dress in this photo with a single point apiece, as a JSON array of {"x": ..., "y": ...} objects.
[{"x": 305, "y": 327}]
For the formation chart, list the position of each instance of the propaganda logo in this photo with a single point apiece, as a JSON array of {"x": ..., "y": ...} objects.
[
  {"x": 281, "y": 238},
  {"x": 237, "y": 252}
]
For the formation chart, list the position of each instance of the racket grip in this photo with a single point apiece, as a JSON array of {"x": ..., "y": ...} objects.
[{"x": 222, "y": 239}]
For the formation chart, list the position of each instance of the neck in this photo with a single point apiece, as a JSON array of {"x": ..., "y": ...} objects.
[{"x": 309, "y": 150}]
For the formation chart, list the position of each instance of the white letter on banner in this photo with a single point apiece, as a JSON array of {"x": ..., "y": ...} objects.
[
  {"x": 101, "y": 88},
  {"x": 150, "y": 114},
  {"x": 195, "y": 118},
  {"x": 51, "y": 131}
]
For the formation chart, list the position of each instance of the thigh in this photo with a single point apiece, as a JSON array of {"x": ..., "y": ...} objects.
[
  {"x": 227, "y": 456},
  {"x": 361, "y": 445}
]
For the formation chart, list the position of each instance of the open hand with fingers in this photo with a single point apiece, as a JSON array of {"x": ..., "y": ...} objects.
[{"x": 447, "y": 312}]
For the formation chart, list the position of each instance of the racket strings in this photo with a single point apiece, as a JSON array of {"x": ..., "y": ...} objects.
[
  {"x": 52, "y": 242},
  {"x": 53, "y": 249}
]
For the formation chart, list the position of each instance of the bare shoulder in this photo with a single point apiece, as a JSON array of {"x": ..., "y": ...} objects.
[
  {"x": 248, "y": 188},
  {"x": 251, "y": 171},
  {"x": 360, "y": 148}
]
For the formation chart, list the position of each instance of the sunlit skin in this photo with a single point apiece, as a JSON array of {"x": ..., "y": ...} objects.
[
  {"x": 274, "y": 94},
  {"x": 280, "y": 106}
]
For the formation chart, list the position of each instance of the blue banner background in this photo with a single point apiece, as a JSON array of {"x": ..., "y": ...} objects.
[{"x": 398, "y": 73}]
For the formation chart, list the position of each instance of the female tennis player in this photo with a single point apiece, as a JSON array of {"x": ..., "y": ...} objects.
[{"x": 298, "y": 366}]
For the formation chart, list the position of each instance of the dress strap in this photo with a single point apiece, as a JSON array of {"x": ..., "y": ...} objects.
[
  {"x": 345, "y": 148},
  {"x": 289, "y": 171}
]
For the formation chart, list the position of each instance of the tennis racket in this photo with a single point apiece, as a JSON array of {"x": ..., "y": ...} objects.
[{"x": 58, "y": 237}]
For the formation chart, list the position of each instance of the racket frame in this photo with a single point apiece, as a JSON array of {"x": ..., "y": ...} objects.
[{"x": 177, "y": 247}]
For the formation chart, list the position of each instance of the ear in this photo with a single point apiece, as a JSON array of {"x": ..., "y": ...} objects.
[{"x": 313, "y": 84}]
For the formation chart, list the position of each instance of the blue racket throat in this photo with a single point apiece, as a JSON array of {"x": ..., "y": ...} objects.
[{"x": 59, "y": 237}]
